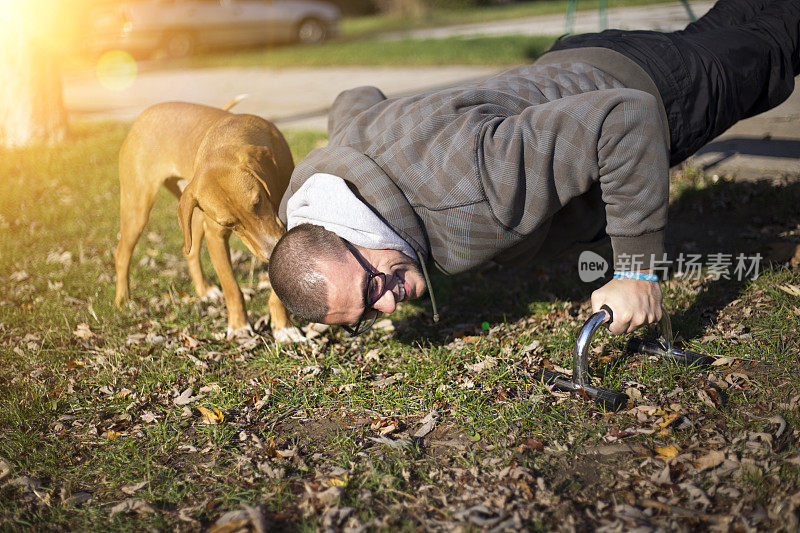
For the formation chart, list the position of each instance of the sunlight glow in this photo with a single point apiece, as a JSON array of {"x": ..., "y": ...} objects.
[
  {"x": 40, "y": 20},
  {"x": 117, "y": 70}
]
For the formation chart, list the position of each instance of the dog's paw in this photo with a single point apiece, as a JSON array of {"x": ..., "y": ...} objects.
[
  {"x": 244, "y": 333},
  {"x": 213, "y": 294},
  {"x": 262, "y": 324},
  {"x": 314, "y": 330},
  {"x": 289, "y": 335}
]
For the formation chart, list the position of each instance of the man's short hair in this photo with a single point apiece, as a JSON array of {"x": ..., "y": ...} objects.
[{"x": 293, "y": 269}]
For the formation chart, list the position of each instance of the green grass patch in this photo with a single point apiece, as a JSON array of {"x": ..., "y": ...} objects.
[
  {"x": 505, "y": 50},
  {"x": 95, "y": 436}
]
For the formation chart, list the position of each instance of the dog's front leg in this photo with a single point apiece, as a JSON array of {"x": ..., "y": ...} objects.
[{"x": 219, "y": 250}]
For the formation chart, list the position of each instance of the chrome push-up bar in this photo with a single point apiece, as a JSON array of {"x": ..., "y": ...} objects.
[{"x": 581, "y": 379}]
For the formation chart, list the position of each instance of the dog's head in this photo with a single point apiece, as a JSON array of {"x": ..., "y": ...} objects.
[{"x": 238, "y": 188}]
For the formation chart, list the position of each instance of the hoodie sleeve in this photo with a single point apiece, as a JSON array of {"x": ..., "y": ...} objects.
[
  {"x": 563, "y": 147},
  {"x": 349, "y": 104}
]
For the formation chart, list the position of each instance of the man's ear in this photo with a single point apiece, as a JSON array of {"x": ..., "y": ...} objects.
[
  {"x": 186, "y": 206},
  {"x": 260, "y": 162}
]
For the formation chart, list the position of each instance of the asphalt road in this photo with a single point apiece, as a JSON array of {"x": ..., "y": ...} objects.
[
  {"x": 296, "y": 97},
  {"x": 663, "y": 17}
]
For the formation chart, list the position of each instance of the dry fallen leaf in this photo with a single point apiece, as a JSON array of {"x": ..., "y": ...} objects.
[
  {"x": 236, "y": 521},
  {"x": 385, "y": 425},
  {"x": 5, "y": 469},
  {"x": 709, "y": 397},
  {"x": 64, "y": 258},
  {"x": 667, "y": 452},
  {"x": 428, "y": 423},
  {"x": 211, "y": 387},
  {"x": 20, "y": 275},
  {"x": 794, "y": 290},
  {"x": 330, "y": 496},
  {"x": 231, "y": 527},
  {"x": 82, "y": 331},
  {"x": 489, "y": 362},
  {"x": 393, "y": 443},
  {"x": 185, "y": 397},
  {"x": 723, "y": 361},
  {"x": 78, "y": 498},
  {"x": 634, "y": 394},
  {"x": 149, "y": 417},
  {"x": 291, "y": 452},
  {"x": 132, "y": 505},
  {"x": 131, "y": 489},
  {"x": 336, "y": 481},
  {"x": 211, "y": 416},
  {"x": 533, "y": 444},
  {"x": 662, "y": 477},
  {"x": 710, "y": 460},
  {"x": 668, "y": 420},
  {"x": 781, "y": 423}
]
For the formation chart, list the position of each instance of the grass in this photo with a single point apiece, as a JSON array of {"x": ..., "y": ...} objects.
[
  {"x": 504, "y": 50},
  {"x": 94, "y": 414}
]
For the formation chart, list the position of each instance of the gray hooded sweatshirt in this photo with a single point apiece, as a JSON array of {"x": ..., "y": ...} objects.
[{"x": 520, "y": 167}]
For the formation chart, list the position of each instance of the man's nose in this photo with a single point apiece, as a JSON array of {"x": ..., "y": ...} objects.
[{"x": 386, "y": 303}]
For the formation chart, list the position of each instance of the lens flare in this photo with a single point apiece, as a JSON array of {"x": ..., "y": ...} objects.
[{"x": 116, "y": 70}]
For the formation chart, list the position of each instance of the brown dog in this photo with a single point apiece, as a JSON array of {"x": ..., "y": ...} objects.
[{"x": 229, "y": 172}]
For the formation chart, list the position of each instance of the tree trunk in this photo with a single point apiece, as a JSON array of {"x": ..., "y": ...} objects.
[{"x": 31, "y": 103}]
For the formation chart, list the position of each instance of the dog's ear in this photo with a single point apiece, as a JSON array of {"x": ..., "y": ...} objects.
[
  {"x": 260, "y": 161},
  {"x": 186, "y": 206}
]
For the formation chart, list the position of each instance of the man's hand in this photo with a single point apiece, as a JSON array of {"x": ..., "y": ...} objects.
[{"x": 634, "y": 303}]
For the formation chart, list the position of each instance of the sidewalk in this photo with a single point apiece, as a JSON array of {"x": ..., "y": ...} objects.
[
  {"x": 295, "y": 98},
  {"x": 764, "y": 145},
  {"x": 659, "y": 17}
]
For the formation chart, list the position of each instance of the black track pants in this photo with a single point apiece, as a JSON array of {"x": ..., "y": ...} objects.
[{"x": 738, "y": 60}]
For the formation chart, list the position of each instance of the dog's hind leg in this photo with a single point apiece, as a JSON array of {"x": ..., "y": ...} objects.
[
  {"x": 219, "y": 250},
  {"x": 134, "y": 211}
]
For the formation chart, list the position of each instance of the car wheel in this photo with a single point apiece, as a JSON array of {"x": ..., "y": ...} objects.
[
  {"x": 179, "y": 45},
  {"x": 310, "y": 31}
]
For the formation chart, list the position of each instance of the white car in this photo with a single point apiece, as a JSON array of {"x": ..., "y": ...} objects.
[{"x": 179, "y": 27}]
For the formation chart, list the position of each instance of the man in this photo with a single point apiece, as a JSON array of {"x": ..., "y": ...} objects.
[{"x": 525, "y": 165}]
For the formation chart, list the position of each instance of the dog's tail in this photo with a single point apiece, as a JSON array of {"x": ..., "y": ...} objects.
[{"x": 234, "y": 101}]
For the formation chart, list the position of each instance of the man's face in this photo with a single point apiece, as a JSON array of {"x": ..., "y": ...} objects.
[{"x": 347, "y": 281}]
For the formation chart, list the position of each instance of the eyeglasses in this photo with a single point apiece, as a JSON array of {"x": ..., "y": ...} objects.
[{"x": 373, "y": 290}]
